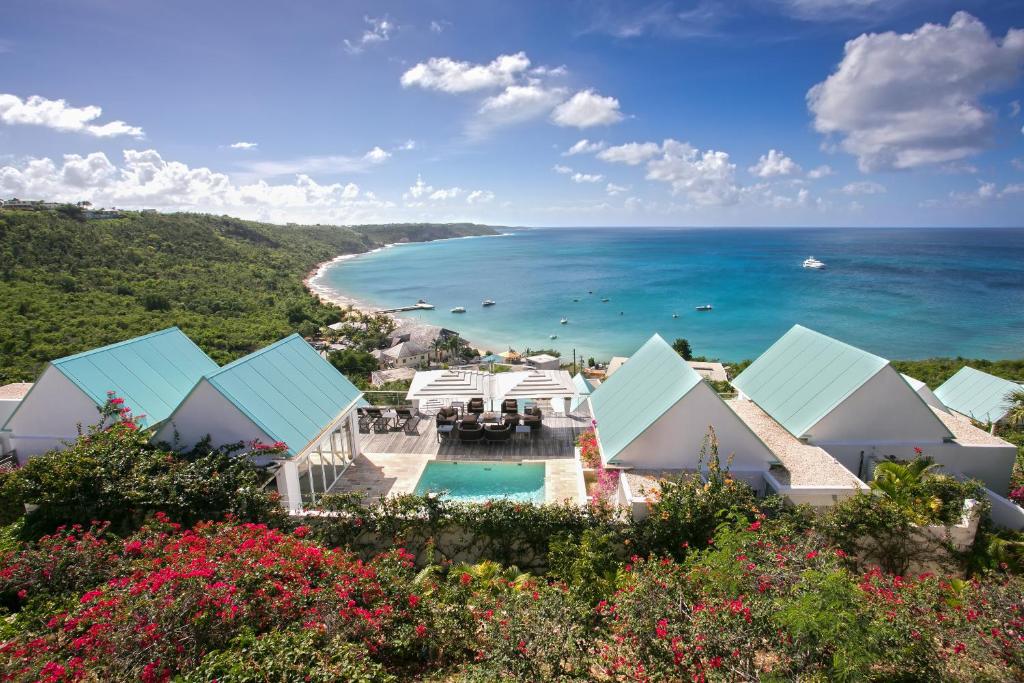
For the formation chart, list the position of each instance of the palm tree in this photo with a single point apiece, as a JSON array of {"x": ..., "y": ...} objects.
[
  {"x": 901, "y": 482},
  {"x": 438, "y": 345},
  {"x": 1015, "y": 415}
]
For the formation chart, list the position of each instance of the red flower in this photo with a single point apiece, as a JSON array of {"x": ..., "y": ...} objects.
[
  {"x": 301, "y": 531},
  {"x": 754, "y": 526},
  {"x": 421, "y": 630},
  {"x": 465, "y": 579},
  {"x": 413, "y": 601},
  {"x": 811, "y": 555}
]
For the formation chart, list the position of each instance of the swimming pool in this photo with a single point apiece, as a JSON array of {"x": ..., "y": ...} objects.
[{"x": 477, "y": 482}]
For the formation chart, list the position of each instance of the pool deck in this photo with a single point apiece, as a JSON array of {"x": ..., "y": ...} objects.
[{"x": 391, "y": 463}]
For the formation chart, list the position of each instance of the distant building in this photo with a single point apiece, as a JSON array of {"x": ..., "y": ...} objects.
[
  {"x": 11, "y": 396},
  {"x": 381, "y": 377},
  {"x": 544, "y": 361},
  {"x": 614, "y": 364},
  {"x": 709, "y": 370},
  {"x": 405, "y": 354}
]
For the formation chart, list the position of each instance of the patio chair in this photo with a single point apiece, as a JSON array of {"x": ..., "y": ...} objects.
[
  {"x": 511, "y": 419},
  {"x": 447, "y": 416},
  {"x": 402, "y": 417},
  {"x": 475, "y": 405},
  {"x": 496, "y": 434},
  {"x": 533, "y": 418},
  {"x": 364, "y": 420},
  {"x": 509, "y": 405},
  {"x": 470, "y": 419},
  {"x": 470, "y": 432}
]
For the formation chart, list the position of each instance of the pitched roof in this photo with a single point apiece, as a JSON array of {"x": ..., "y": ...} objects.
[
  {"x": 405, "y": 350},
  {"x": 287, "y": 390},
  {"x": 803, "y": 376},
  {"x": 14, "y": 390},
  {"x": 977, "y": 394},
  {"x": 583, "y": 389},
  {"x": 639, "y": 393},
  {"x": 152, "y": 373}
]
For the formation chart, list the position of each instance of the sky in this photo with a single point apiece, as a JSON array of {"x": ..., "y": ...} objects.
[{"x": 590, "y": 113}]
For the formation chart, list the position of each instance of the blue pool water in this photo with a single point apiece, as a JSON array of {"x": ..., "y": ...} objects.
[
  {"x": 900, "y": 293},
  {"x": 468, "y": 482}
]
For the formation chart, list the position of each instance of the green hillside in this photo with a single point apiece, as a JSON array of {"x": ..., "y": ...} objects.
[{"x": 67, "y": 285}]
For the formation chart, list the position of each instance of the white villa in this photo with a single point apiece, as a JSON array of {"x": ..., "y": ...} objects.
[
  {"x": 858, "y": 408},
  {"x": 285, "y": 393},
  {"x": 152, "y": 373}
]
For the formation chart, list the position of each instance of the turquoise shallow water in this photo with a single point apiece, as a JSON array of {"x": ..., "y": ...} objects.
[
  {"x": 900, "y": 293},
  {"x": 469, "y": 482}
]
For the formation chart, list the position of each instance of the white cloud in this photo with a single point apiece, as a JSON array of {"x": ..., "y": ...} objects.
[
  {"x": 448, "y": 75},
  {"x": 59, "y": 115},
  {"x": 822, "y": 171},
  {"x": 1018, "y": 163},
  {"x": 705, "y": 179},
  {"x": 515, "y": 104},
  {"x": 338, "y": 163},
  {"x": 445, "y": 194},
  {"x": 379, "y": 31},
  {"x": 587, "y": 177},
  {"x": 418, "y": 189},
  {"x": 479, "y": 197},
  {"x": 145, "y": 180},
  {"x": 833, "y": 10},
  {"x": 632, "y": 153},
  {"x": 908, "y": 100},
  {"x": 587, "y": 108},
  {"x": 1014, "y": 109},
  {"x": 863, "y": 187},
  {"x": 377, "y": 155},
  {"x": 773, "y": 164},
  {"x": 438, "y": 26},
  {"x": 244, "y": 145},
  {"x": 985, "y": 192},
  {"x": 612, "y": 189},
  {"x": 584, "y": 146},
  {"x": 406, "y": 146},
  {"x": 559, "y": 168}
]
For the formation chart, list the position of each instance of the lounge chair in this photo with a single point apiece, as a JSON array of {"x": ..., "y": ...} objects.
[
  {"x": 470, "y": 419},
  {"x": 509, "y": 406},
  {"x": 496, "y": 434},
  {"x": 475, "y": 405},
  {"x": 364, "y": 420},
  {"x": 402, "y": 417},
  {"x": 447, "y": 416},
  {"x": 470, "y": 432},
  {"x": 532, "y": 418},
  {"x": 511, "y": 419}
]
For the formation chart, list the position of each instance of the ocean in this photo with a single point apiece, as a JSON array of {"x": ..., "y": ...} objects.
[{"x": 899, "y": 293}]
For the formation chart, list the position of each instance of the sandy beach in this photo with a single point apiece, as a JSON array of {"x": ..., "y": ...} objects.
[{"x": 314, "y": 282}]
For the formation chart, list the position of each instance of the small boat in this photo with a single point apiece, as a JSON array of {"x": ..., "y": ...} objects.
[
  {"x": 487, "y": 302},
  {"x": 459, "y": 309},
  {"x": 606, "y": 300},
  {"x": 554, "y": 336},
  {"x": 563, "y": 321},
  {"x": 705, "y": 307},
  {"x": 675, "y": 315},
  {"x": 813, "y": 263},
  {"x": 575, "y": 301},
  {"x": 590, "y": 292}
]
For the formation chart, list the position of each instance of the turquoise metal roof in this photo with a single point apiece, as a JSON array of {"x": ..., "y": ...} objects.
[
  {"x": 638, "y": 393},
  {"x": 583, "y": 389},
  {"x": 152, "y": 373},
  {"x": 803, "y": 376},
  {"x": 977, "y": 394},
  {"x": 287, "y": 389}
]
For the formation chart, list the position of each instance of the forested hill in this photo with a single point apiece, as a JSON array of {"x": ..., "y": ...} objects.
[{"x": 67, "y": 285}]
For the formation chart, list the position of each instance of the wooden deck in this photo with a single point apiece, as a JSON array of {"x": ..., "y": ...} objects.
[{"x": 555, "y": 439}]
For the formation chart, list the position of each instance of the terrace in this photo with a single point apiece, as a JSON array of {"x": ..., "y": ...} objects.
[{"x": 395, "y": 451}]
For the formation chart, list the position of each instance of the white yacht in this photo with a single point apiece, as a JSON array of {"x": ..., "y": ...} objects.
[
  {"x": 705, "y": 307},
  {"x": 487, "y": 302},
  {"x": 563, "y": 321},
  {"x": 811, "y": 262},
  {"x": 459, "y": 309}
]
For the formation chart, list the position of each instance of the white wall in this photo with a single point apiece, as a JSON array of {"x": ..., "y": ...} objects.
[
  {"x": 50, "y": 415},
  {"x": 990, "y": 464},
  {"x": 883, "y": 409},
  {"x": 674, "y": 440},
  {"x": 204, "y": 412},
  {"x": 7, "y": 408}
]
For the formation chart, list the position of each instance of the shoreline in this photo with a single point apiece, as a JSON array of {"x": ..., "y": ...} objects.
[{"x": 313, "y": 283}]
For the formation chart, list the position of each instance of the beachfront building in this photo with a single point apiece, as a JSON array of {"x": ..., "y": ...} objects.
[
  {"x": 406, "y": 354},
  {"x": 152, "y": 373},
  {"x": 285, "y": 393},
  {"x": 978, "y": 395},
  {"x": 858, "y": 408},
  {"x": 654, "y": 413}
]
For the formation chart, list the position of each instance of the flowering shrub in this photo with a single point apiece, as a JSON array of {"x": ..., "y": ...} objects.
[
  {"x": 607, "y": 486},
  {"x": 113, "y": 473},
  {"x": 590, "y": 453},
  {"x": 1017, "y": 495}
]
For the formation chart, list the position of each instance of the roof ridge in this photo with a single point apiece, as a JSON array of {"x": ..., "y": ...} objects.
[
  {"x": 841, "y": 342},
  {"x": 123, "y": 342},
  {"x": 250, "y": 356}
]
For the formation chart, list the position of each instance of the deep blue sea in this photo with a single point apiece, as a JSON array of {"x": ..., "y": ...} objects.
[{"x": 900, "y": 293}]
